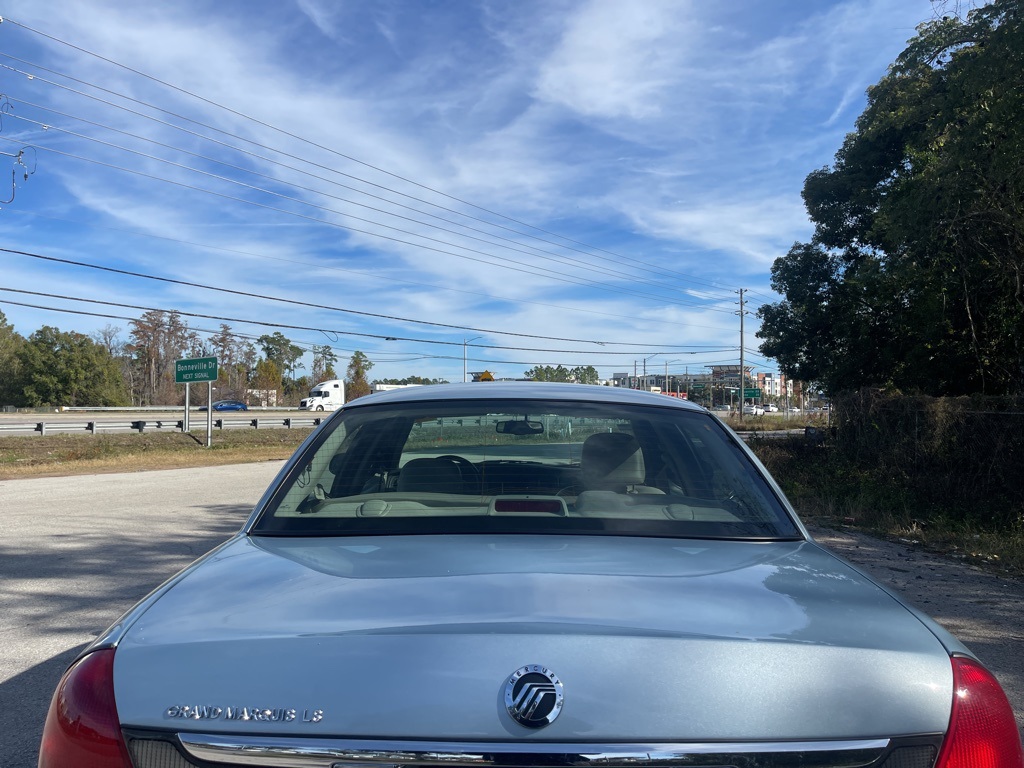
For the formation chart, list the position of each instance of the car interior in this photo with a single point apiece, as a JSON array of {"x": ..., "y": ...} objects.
[{"x": 651, "y": 466}]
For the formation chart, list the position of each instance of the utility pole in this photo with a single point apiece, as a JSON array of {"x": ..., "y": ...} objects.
[
  {"x": 465, "y": 343},
  {"x": 742, "y": 399}
]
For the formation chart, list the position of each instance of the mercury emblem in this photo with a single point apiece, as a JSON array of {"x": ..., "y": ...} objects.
[{"x": 533, "y": 696}]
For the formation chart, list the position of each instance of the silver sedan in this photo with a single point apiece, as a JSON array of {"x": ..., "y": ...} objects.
[{"x": 526, "y": 575}]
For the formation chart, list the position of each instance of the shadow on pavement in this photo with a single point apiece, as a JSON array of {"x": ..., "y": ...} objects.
[
  {"x": 23, "y": 703},
  {"x": 77, "y": 587}
]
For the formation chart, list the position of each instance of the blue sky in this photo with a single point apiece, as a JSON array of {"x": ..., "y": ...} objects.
[{"x": 599, "y": 177}]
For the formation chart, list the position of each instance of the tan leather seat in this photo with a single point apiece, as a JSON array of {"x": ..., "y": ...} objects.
[
  {"x": 613, "y": 461},
  {"x": 431, "y": 476}
]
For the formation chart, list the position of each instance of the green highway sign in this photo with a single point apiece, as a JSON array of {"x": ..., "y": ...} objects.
[
  {"x": 196, "y": 369},
  {"x": 751, "y": 393}
]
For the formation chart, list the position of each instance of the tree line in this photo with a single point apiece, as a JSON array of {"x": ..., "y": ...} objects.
[
  {"x": 914, "y": 277},
  {"x": 580, "y": 374},
  {"x": 51, "y": 367}
]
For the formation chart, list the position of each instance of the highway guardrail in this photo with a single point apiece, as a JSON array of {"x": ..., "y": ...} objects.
[{"x": 162, "y": 425}]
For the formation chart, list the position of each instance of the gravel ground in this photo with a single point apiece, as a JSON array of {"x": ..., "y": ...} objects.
[{"x": 984, "y": 610}]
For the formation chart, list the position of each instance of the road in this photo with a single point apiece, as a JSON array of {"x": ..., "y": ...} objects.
[
  {"x": 171, "y": 414},
  {"x": 25, "y": 424},
  {"x": 166, "y": 414},
  {"x": 75, "y": 552}
]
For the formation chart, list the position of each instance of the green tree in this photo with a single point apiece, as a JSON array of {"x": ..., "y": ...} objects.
[
  {"x": 236, "y": 358},
  {"x": 68, "y": 368},
  {"x": 411, "y": 380},
  {"x": 836, "y": 326},
  {"x": 267, "y": 380},
  {"x": 11, "y": 343},
  {"x": 302, "y": 385},
  {"x": 109, "y": 337},
  {"x": 547, "y": 373},
  {"x": 324, "y": 359},
  {"x": 356, "y": 384},
  {"x": 915, "y": 275},
  {"x": 582, "y": 374},
  {"x": 279, "y": 349}
]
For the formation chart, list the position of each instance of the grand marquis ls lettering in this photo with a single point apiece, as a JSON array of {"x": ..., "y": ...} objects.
[{"x": 430, "y": 556}]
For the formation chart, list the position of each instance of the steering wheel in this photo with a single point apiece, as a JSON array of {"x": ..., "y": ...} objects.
[
  {"x": 569, "y": 492},
  {"x": 470, "y": 474}
]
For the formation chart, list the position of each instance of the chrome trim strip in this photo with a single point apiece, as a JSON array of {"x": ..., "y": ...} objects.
[{"x": 338, "y": 753}]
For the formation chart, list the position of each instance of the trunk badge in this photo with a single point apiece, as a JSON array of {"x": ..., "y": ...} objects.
[{"x": 533, "y": 696}]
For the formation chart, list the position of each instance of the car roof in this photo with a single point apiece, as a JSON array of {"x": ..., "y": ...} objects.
[{"x": 523, "y": 390}]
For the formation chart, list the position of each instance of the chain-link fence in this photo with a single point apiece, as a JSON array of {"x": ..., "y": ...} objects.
[{"x": 959, "y": 457}]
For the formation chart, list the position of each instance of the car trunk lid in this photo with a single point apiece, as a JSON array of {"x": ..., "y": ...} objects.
[{"x": 415, "y": 637}]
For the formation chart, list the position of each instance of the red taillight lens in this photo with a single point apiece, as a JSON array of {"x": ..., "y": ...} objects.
[
  {"x": 982, "y": 732},
  {"x": 82, "y": 729}
]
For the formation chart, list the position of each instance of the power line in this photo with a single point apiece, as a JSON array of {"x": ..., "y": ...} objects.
[
  {"x": 618, "y": 257},
  {"x": 384, "y": 337},
  {"x": 546, "y": 255},
  {"x": 278, "y": 325},
  {"x": 763, "y": 295},
  {"x": 553, "y": 274},
  {"x": 374, "y": 275},
  {"x": 247, "y": 294},
  {"x": 533, "y": 249}
]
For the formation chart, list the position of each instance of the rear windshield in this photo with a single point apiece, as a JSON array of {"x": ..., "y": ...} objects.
[{"x": 525, "y": 467}]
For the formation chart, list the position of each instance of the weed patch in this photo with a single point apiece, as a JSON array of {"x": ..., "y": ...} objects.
[
  {"x": 827, "y": 488},
  {"x": 88, "y": 454}
]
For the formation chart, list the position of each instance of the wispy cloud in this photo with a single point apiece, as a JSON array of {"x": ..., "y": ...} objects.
[
  {"x": 618, "y": 59},
  {"x": 757, "y": 231},
  {"x": 664, "y": 132}
]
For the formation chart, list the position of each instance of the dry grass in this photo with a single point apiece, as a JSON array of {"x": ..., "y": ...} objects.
[
  {"x": 820, "y": 490},
  {"x": 76, "y": 454},
  {"x": 826, "y": 491}
]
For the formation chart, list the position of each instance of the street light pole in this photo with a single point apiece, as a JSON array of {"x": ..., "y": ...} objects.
[
  {"x": 742, "y": 385},
  {"x": 647, "y": 384},
  {"x": 464, "y": 359},
  {"x": 667, "y": 387}
]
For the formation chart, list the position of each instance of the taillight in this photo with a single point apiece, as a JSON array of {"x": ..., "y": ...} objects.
[
  {"x": 82, "y": 729},
  {"x": 982, "y": 732}
]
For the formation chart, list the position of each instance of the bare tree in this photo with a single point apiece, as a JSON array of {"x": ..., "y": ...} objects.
[
  {"x": 236, "y": 358},
  {"x": 158, "y": 339}
]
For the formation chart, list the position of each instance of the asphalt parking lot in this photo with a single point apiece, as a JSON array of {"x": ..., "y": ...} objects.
[{"x": 75, "y": 552}]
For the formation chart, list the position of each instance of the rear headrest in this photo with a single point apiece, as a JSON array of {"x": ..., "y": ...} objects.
[
  {"x": 430, "y": 475},
  {"x": 611, "y": 460}
]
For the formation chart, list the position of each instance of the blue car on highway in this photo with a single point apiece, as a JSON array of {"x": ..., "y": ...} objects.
[{"x": 227, "y": 405}]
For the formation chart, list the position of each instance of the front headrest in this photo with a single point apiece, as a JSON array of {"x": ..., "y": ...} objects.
[
  {"x": 611, "y": 459},
  {"x": 430, "y": 475}
]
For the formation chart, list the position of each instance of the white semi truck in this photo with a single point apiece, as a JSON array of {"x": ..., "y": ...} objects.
[{"x": 325, "y": 396}]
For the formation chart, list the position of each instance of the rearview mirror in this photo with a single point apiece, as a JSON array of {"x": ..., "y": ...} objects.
[{"x": 516, "y": 427}]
